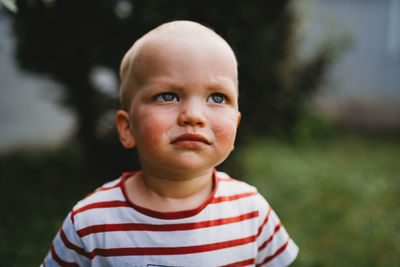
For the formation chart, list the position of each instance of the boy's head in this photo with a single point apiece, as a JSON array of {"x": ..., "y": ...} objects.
[
  {"x": 179, "y": 96},
  {"x": 131, "y": 70}
]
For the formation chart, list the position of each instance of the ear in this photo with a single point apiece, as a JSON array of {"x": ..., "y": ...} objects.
[
  {"x": 239, "y": 118},
  {"x": 124, "y": 130}
]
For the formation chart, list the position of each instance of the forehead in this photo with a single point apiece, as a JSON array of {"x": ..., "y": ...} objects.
[
  {"x": 177, "y": 50},
  {"x": 178, "y": 57},
  {"x": 188, "y": 54}
]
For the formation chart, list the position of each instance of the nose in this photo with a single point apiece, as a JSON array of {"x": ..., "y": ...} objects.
[{"x": 191, "y": 114}]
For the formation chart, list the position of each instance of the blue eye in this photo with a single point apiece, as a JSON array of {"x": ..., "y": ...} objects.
[
  {"x": 167, "y": 97},
  {"x": 216, "y": 98}
]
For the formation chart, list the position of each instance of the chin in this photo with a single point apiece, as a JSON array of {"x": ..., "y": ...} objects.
[{"x": 193, "y": 165}]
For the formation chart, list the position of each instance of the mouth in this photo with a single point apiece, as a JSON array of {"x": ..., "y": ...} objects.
[{"x": 190, "y": 138}]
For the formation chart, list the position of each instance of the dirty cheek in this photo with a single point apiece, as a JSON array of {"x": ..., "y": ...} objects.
[{"x": 225, "y": 134}]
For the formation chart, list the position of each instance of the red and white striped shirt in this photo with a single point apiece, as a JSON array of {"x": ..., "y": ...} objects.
[{"x": 235, "y": 226}]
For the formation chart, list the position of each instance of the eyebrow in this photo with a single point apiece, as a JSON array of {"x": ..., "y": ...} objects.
[{"x": 215, "y": 83}]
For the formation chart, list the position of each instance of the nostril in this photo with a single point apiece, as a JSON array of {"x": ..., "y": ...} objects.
[{"x": 193, "y": 123}]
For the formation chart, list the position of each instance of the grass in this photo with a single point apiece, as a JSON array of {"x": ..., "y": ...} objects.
[
  {"x": 38, "y": 188},
  {"x": 338, "y": 198}
]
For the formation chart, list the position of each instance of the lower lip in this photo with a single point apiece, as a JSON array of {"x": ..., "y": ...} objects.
[{"x": 190, "y": 144}]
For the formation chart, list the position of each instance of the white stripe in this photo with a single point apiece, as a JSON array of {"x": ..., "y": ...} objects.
[
  {"x": 229, "y": 188},
  {"x": 196, "y": 237},
  {"x": 173, "y": 238},
  {"x": 278, "y": 239},
  {"x": 71, "y": 234},
  {"x": 286, "y": 257},
  {"x": 241, "y": 205},
  {"x": 114, "y": 194},
  {"x": 212, "y": 258},
  {"x": 129, "y": 214},
  {"x": 67, "y": 254},
  {"x": 223, "y": 175}
]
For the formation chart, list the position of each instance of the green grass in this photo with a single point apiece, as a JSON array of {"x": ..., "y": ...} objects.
[
  {"x": 339, "y": 198},
  {"x": 38, "y": 188}
]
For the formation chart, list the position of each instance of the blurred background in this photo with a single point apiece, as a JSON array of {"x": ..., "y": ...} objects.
[{"x": 319, "y": 95}]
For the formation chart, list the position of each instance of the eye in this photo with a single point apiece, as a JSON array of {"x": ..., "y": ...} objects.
[
  {"x": 167, "y": 97},
  {"x": 217, "y": 98}
]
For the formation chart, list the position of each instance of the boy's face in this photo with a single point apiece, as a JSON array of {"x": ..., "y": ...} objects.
[{"x": 184, "y": 114}]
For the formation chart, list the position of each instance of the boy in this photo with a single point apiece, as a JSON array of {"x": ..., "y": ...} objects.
[{"x": 179, "y": 93}]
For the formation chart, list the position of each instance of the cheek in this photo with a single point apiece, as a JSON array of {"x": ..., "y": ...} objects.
[
  {"x": 149, "y": 131},
  {"x": 225, "y": 133}
]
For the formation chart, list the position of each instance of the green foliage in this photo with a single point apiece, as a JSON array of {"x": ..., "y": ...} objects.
[
  {"x": 339, "y": 199},
  {"x": 311, "y": 127},
  {"x": 38, "y": 189}
]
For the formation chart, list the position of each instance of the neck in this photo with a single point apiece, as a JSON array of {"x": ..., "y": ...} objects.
[
  {"x": 176, "y": 186},
  {"x": 170, "y": 193}
]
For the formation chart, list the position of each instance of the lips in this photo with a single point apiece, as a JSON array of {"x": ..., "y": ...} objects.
[{"x": 190, "y": 138}]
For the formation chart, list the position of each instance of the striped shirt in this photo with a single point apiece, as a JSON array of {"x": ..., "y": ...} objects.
[{"x": 235, "y": 226}]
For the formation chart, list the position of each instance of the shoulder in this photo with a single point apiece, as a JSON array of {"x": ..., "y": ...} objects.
[
  {"x": 275, "y": 247},
  {"x": 228, "y": 186},
  {"x": 228, "y": 183},
  {"x": 108, "y": 192},
  {"x": 99, "y": 203}
]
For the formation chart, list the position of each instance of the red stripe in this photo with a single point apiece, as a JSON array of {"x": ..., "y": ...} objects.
[
  {"x": 279, "y": 251},
  {"x": 105, "y": 188},
  {"x": 240, "y": 263},
  {"x": 98, "y": 205},
  {"x": 265, "y": 221},
  {"x": 188, "y": 213},
  {"x": 72, "y": 246},
  {"x": 61, "y": 262},
  {"x": 231, "y": 198},
  {"x": 136, "y": 251},
  {"x": 227, "y": 179},
  {"x": 118, "y": 184},
  {"x": 163, "y": 227},
  {"x": 170, "y": 215},
  {"x": 271, "y": 237}
]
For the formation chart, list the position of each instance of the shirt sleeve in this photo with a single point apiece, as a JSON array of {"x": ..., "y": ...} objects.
[
  {"x": 67, "y": 248},
  {"x": 275, "y": 247}
]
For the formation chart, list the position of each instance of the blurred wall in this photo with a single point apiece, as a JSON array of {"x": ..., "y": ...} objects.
[
  {"x": 363, "y": 87},
  {"x": 29, "y": 116}
]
